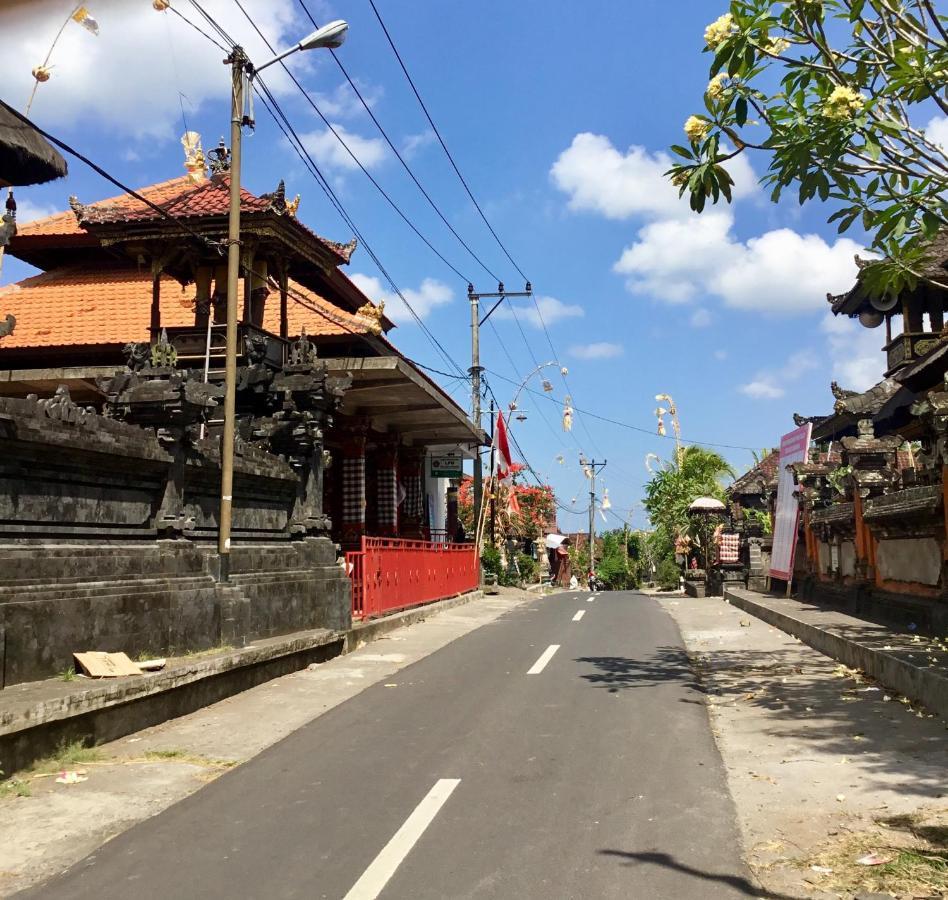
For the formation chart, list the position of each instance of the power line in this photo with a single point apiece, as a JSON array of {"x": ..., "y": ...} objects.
[
  {"x": 349, "y": 150},
  {"x": 627, "y": 425},
  {"x": 314, "y": 170},
  {"x": 398, "y": 155},
  {"x": 444, "y": 146},
  {"x": 320, "y": 178}
]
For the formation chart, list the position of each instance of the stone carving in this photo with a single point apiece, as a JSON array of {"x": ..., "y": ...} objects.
[
  {"x": 137, "y": 356},
  {"x": 163, "y": 354},
  {"x": 219, "y": 159},
  {"x": 302, "y": 351},
  {"x": 7, "y": 324}
]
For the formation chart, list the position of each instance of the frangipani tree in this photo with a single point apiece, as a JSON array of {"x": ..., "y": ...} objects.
[{"x": 836, "y": 95}]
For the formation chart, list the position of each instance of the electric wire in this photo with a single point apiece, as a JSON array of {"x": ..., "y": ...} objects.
[
  {"x": 444, "y": 146},
  {"x": 398, "y": 155},
  {"x": 351, "y": 153},
  {"x": 295, "y": 142}
]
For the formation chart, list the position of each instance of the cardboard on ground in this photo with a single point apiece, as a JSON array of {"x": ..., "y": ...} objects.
[{"x": 98, "y": 664}]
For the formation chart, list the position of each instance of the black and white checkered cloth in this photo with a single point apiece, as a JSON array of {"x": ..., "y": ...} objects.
[
  {"x": 353, "y": 489},
  {"x": 413, "y": 500},
  {"x": 387, "y": 495}
]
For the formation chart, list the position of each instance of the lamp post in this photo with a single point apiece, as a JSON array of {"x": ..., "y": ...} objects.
[{"x": 242, "y": 72}]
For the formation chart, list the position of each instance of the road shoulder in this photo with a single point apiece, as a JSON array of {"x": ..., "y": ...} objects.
[{"x": 825, "y": 767}]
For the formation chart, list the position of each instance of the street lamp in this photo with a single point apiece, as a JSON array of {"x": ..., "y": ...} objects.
[{"x": 242, "y": 71}]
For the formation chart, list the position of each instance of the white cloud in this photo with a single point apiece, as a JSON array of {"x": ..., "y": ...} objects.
[
  {"x": 126, "y": 80},
  {"x": 551, "y": 309},
  {"x": 423, "y": 300},
  {"x": 937, "y": 131},
  {"x": 599, "y": 178},
  {"x": 771, "y": 384},
  {"x": 328, "y": 150},
  {"x": 780, "y": 272},
  {"x": 27, "y": 210},
  {"x": 598, "y": 350},
  {"x": 416, "y": 142},
  {"x": 700, "y": 318},
  {"x": 720, "y": 355},
  {"x": 342, "y": 101},
  {"x": 855, "y": 352}
]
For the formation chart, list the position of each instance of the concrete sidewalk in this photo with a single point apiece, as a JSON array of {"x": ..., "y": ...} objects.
[
  {"x": 907, "y": 663},
  {"x": 824, "y": 767}
]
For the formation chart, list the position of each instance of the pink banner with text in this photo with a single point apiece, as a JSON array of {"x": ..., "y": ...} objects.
[{"x": 793, "y": 449}]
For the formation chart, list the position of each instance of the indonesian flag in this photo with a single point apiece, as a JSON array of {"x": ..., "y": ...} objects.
[{"x": 504, "y": 469}]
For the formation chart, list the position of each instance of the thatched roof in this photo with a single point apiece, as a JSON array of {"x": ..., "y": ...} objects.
[{"x": 25, "y": 156}]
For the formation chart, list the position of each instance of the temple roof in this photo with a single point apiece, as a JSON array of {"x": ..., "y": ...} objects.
[
  {"x": 850, "y": 407},
  {"x": 764, "y": 474},
  {"x": 94, "y": 306},
  {"x": 182, "y": 198},
  {"x": 853, "y": 301}
]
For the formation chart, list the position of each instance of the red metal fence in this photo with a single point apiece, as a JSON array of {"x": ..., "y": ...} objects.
[{"x": 389, "y": 574}]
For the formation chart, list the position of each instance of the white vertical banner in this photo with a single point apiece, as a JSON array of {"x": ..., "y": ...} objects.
[{"x": 793, "y": 449}]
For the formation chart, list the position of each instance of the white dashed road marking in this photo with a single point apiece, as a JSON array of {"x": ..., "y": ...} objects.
[
  {"x": 545, "y": 657},
  {"x": 579, "y": 615},
  {"x": 383, "y": 867}
]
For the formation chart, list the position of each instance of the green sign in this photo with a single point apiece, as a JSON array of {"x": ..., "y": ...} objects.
[{"x": 446, "y": 466}]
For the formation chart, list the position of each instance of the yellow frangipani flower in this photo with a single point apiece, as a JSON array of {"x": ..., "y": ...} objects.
[
  {"x": 716, "y": 86},
  {"x": 696, "y": 128},
  {"x": 719, "y": 31},
  {"x": 843, "y": 103}
]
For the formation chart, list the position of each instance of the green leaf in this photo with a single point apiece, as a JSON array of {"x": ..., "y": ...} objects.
[
  {"x": 682, "y": 151},
  {"x": 740, "y": 111}
]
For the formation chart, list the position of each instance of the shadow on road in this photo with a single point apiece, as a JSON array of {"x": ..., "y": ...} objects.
[
  {"x": 666, "y": 664},
  {"x": 665, "y": 860}
]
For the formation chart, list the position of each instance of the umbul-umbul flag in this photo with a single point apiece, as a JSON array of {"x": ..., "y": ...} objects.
[{"x": 504, "y": 470}]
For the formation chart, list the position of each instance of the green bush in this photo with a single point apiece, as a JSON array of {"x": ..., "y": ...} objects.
[
  {"x": 529, "y": 568},
  {"x": 491, "y": 564},
  {"x": 668, "y": 574}
]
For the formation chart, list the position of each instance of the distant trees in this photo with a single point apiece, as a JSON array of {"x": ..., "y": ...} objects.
[
  {"x": 843, "y": 98},
  {"x": 672, "y": 489}
]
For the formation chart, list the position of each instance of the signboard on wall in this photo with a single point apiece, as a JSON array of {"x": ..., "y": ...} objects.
[
  {"x": 793, "y": 449},
  {"x": 445, "y": 465}
]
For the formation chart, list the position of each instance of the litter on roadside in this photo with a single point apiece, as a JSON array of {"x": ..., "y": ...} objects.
[
  {"x": 873, "y": 859},
  {"x": 98, "y": 664},
  {"x": 71, "y": 777}
]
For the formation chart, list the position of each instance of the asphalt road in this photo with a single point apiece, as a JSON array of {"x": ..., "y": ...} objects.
[{"x": 495, "y": 768}]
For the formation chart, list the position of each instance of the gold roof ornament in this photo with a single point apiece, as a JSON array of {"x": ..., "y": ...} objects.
[
  {"x": 374, "y": 315},
  {"x": 293, "y": 205},
  {"x": 194, "y": 162}
]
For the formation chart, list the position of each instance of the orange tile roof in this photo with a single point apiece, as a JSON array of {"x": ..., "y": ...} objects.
[
  {"x": 67, "y": 223},
  {"x": 180, "y": 197},
  {"x": 79, "y": 306}
]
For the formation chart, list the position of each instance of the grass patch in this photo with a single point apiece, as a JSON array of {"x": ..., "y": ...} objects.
[
  {"x": 917, "y": 849},
  {"x": 196, "y": 759},
  {"x": 67, "y": 755},
  {"x": 14, "y": 787},
  {"x": 68, "y": 674}
]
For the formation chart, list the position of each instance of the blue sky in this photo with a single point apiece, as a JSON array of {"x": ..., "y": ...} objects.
[{"x": 558, "y": 115}]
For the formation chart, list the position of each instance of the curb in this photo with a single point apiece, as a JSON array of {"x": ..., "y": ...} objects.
[
  {"x": 919, "y": 684},
  {"x": 32, "y": 727}
]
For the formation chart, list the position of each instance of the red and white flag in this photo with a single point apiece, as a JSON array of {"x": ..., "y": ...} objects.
[{"x": 504, "y": 465}]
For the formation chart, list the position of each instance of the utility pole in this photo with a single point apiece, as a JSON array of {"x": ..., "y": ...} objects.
[
  {"x": 238, "y": 61},
  {"x": 475, "y": 372},
  {"x": 593, "y": 467}
]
